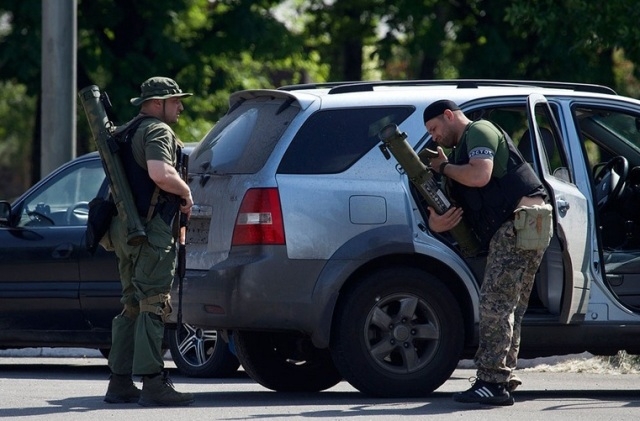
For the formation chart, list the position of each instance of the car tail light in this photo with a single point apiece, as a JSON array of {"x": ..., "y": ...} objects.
[{"x": 259, "y": 219}]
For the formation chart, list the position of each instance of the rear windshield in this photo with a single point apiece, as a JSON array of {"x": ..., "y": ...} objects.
[
  {"x": 330, "y": 141},
  {"x": 241, "y": 142}
]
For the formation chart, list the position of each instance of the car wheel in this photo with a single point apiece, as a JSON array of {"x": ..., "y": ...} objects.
[
  {"x": 397, "y": 333},
  {"x": 201, "y": 353},
  {"x": 285, "y": 362}
]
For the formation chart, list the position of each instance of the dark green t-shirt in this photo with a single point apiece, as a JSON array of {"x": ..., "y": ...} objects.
[
  {"x": 484, "y": 140},
  {"x": 154, "y": 140}
]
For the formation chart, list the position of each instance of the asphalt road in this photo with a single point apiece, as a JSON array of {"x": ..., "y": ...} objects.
[{"x": 65, "y": 388}]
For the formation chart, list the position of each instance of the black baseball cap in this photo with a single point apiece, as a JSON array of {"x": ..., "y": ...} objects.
[{"x": 437, "y": 108}]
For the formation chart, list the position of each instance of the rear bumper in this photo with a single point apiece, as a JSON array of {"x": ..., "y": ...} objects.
[{"x": 255, "y": 288}]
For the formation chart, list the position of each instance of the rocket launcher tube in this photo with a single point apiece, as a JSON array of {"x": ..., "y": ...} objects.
[
  {"x": 422, "y": 178},
  {"x": 102, "y": 129}
]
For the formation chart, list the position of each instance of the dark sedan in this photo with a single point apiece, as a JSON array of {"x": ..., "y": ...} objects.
[{"x": 54, "y": 293}]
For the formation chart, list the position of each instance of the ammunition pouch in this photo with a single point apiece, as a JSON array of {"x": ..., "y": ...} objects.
[
  {"x": 533, "y": 226},
  {"x": 157, "y": 304}
]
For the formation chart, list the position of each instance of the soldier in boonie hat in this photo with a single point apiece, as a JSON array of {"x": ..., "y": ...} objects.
[
  {"x": 159, "y": 88},
  {"x": 150, "y": 160}
]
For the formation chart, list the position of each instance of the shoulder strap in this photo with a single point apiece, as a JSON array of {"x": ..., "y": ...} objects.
[{"x": 127, "y": 132}]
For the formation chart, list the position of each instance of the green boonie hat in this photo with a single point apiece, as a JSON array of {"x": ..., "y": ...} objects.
[{"x": 159, "y": 88}]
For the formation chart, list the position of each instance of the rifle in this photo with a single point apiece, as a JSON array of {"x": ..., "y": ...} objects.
[
  {"x": 182, "y": 239},
  {"x": 422, "y": 178}
]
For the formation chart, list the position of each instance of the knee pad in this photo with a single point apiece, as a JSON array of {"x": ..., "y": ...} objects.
[{"x": 158, "y": 305}]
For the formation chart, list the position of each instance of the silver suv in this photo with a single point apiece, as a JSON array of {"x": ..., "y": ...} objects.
[{"x": 310, "y": 249}]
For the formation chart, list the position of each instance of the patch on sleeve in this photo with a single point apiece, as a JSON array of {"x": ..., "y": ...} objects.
[{"x": 482, "y": 152}]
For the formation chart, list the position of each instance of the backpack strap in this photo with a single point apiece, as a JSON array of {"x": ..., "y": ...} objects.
[{"x": 125, "y": 133}]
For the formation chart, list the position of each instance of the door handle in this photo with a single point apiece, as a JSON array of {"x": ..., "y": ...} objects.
[
  {"x": 563, "y": 206},
  {"x": 62, "y": 251}
]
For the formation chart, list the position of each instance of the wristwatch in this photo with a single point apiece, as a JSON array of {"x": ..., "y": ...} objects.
[{"x": 442, "y": 165}]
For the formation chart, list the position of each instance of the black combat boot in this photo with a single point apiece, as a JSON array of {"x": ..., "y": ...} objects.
[
  {"x": 157, "y": 390},
  {"x": 121, "y": 389}
]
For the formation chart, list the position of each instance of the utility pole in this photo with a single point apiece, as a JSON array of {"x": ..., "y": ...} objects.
[{"x": 59, "y": 45}]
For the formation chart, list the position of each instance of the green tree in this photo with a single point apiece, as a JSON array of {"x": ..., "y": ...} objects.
[
  {"x": 340, "y": 30},
  {"x": 17, "y": 111},
  {"x": 577, "y": 40},
  {"x": 419, "y": 38},
  {"x": 210, "y": 48},
  {"x": 213, "y": 48}
]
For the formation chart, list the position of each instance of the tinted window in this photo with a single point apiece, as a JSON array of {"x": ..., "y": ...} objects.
[
  {"x": 331, "y": 141},
  {"x": 243, "y": 139},
  {"x": 63, "y": 200},
  {"x": 623, "y": 126},
  {"x": 607, "y": 133}
]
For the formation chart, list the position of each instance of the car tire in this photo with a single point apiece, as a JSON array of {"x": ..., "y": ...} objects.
[
  {"x": 201, "y": 353},
  {"x": 285, "y": 362},
  {"x": 397, "y": 333}
]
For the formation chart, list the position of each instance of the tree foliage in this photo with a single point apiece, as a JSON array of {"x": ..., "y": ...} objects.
[
  {"x": 17, "y": 115},
  {"x": 215, "y": 47},
  {"x": 210, "y": 47}
]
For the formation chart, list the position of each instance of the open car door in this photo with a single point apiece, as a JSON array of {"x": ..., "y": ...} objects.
[{"x": 571, "y": 210}]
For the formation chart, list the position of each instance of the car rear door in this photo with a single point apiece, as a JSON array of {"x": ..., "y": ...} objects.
[{"x": 571, "y": 208}]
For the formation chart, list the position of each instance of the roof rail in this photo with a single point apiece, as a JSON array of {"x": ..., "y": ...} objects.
[
  {"x": 364, "y": 86},
  {"x": 319, "y": 85}
]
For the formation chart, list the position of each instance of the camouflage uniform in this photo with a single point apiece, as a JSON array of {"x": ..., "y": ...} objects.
[
  {"x": 512, "y": 262},
  {"x": 504, "y": 296},
  {"x": 510, "y": 271}
]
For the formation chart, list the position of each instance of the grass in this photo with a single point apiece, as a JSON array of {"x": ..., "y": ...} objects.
[{"x": 621, "y": 363}]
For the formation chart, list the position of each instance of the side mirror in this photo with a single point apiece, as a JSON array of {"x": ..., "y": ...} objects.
[{"x": 5, "y": 212}]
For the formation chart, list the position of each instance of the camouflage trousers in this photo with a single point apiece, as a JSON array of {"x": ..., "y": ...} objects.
[{"x": 504, "y": 296}]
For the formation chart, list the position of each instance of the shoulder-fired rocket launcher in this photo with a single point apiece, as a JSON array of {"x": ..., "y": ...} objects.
[
  {"x": 102, "y": 129},
  {"x": 422, "y": 178}
]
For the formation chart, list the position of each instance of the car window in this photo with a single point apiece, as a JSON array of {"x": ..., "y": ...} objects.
[
  {"x": 513, "y": 119},
  {"x": 63, "y": 200},
  {"x": 554, "y": 156},
  {"x": 621, "y": 125},
  {"x": 244, "y": 138},
  {"x": 330, "y": 141},
  {"x": 607, "y": 133}
]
